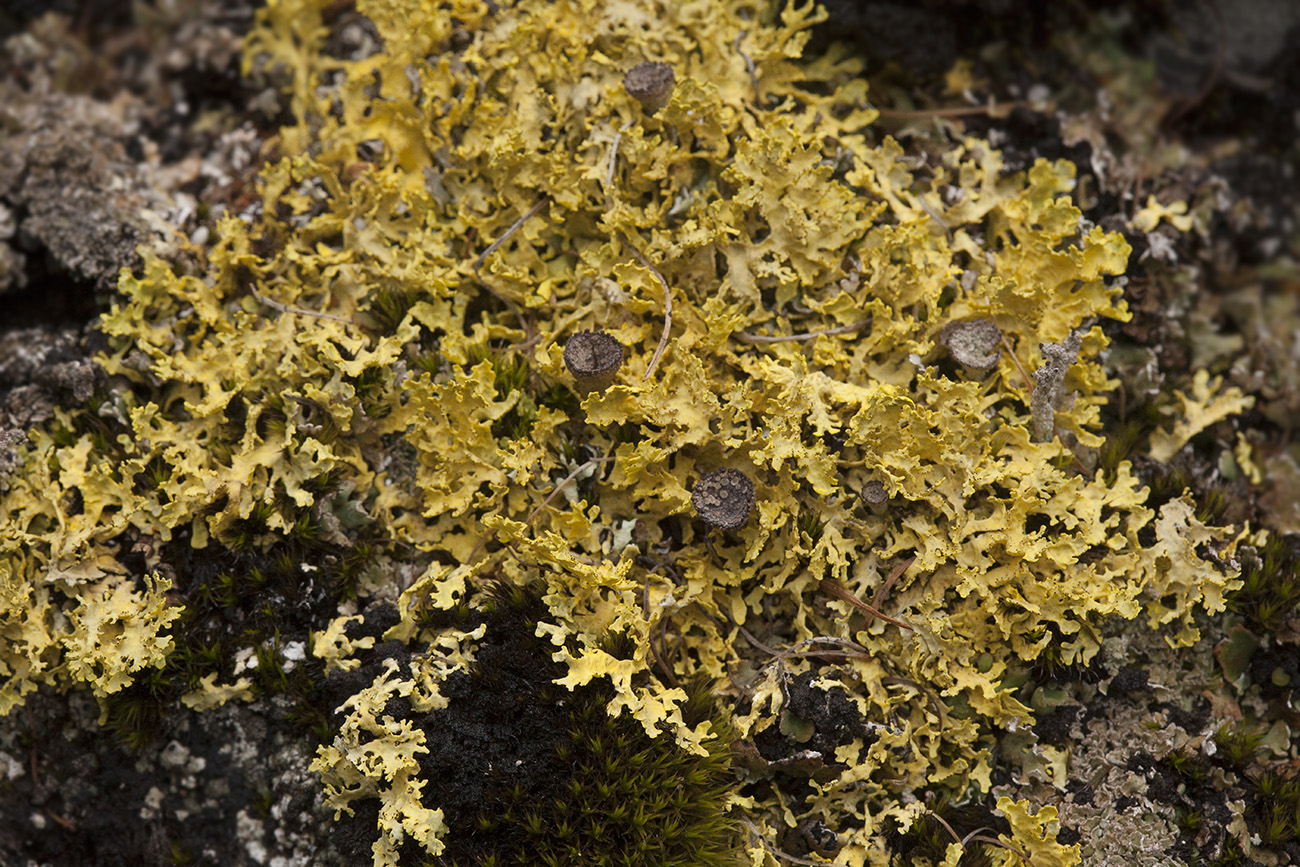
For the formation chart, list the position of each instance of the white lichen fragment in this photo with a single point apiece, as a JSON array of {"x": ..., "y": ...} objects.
[{"x": 1050, "y": 394}]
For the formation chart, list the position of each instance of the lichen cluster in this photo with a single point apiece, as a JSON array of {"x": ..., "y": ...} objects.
[{"x": 354, "y": 354}]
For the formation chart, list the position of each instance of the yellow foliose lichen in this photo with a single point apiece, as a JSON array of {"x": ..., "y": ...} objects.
[
  {"x": 380, "y": 340},
  {"x": 1033, "y": 837},
  {"x": 115, "y": 631}
]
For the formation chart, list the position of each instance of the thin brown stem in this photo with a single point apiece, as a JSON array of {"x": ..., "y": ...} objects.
[
  {"x": 745, "y": 337},
  {"x": 749, "y": 636},
  {"x": 570, "y": 477},
  {"x": 668, "y": 308},
  {"x": 891, "y": 580},
  {"x": 824, "y": 654},
  {"x": 1015, "y": 359},
  {"x": 853, "y": 646},
  {"x": 749, "y": 66},
  {"x": 530, "y": 336},
  {"x": 482, "y": 540},
  {"x": 930, "y": 697},
  {"x": 299, "y": 311},
  {"x": 67, "y": 823},
  {"x": 1024, "y": 856},
  {"x": 514, "y": 227},
  {"x": 613, "y": 156},
  {"x": 650, "y": 640},
  {"x": 944, "y": 822},
  {"x": 832, "y": 588}
]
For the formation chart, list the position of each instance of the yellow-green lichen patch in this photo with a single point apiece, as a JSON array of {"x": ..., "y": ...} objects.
[
  {"x": 358, "y": 351},
  {"x": 376, "y": 756}
]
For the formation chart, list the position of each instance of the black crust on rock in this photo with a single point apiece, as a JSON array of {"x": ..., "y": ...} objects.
[{"x": 724, "y": 498}]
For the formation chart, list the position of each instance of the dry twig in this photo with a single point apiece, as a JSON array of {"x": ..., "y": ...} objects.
[
  {"x": 531, "y": 337},
  {"x": 544, "y": 503},
  {"x": 976, "y": 835},
  {"x": 745, "y": 337},
  {"x": 655, "y": 649},
  {"x": 1015, "y": 359},
  {"x": 289, "y": 308},
  {"x": 891, "y": 580},
  {"x": 613, "y": 155},
  {"x": 668, "y": 307},
  {"x": 944, "y": 822},
  {"x": 505, "y": 236},
  {"x": 833, "y": 588},
  {"x": 749, "y": 66},
  {"x": 570, "y": 477}
]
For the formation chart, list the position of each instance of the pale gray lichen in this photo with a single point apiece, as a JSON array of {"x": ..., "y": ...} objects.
[
  {"x": 39, "y": 369},
  {"x": 1050, "y": 393},
  {"x": 1104, "y": 767},
  {"x": 11, "y": 439},
  {"x": 973, "y": 342}
]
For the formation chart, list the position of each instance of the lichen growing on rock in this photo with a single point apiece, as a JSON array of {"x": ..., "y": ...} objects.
[{"x": 378, "y": 343}]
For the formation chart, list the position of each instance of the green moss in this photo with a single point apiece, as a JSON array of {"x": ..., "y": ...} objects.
[
  {"x": 630, "y": 801},
  {"x": 527, "y": 772},
  {"x": 1188, "y": 821},
  {"x": 1270, "y": 585},
  {"x": 1238, "y": 744},
  {"x": 1188, "y": 764},
  {"x": 1274, "y": 812},
  {"x": 254, "y": 601}
]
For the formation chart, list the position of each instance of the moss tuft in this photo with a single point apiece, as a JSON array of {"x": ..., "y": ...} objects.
[
  {"x": 1270, "y": 585},
  {"x": 525, "y": 771}
]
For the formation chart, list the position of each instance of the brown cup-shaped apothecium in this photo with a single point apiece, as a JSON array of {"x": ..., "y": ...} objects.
[
  {"x": 593, "y": 357},
  {"x": 650, "y": 83},
  {"x": 874, "y": 494},
  {"x": 724, "y": 499},
  {"x": 973, "y": 342}
]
